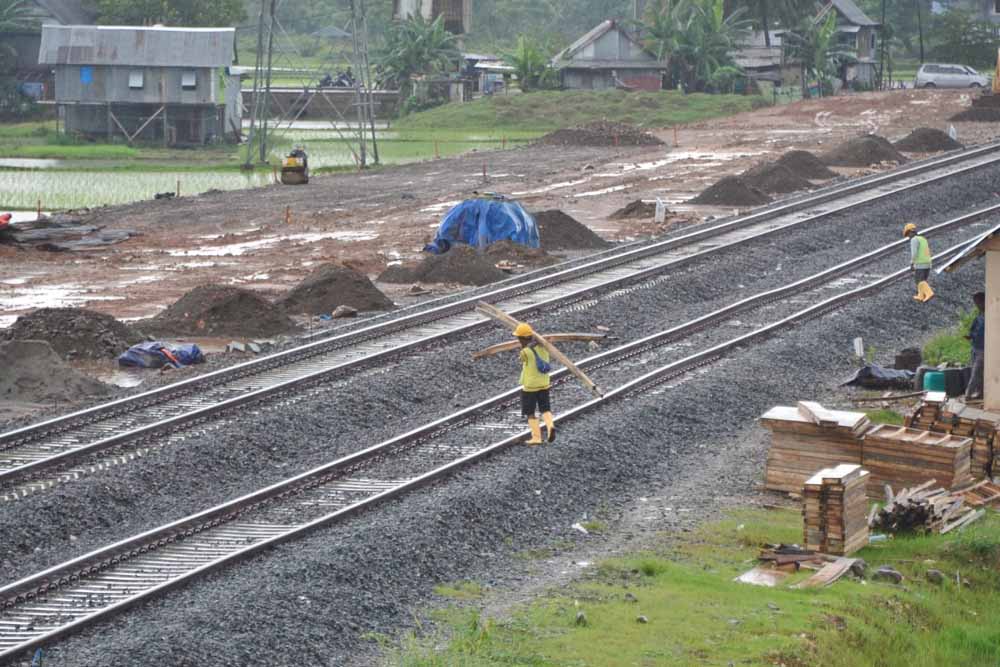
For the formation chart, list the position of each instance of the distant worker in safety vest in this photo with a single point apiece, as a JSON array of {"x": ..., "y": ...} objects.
[
  {"x": 920, "y": 262},
  {"x": 535, "y": 384}
]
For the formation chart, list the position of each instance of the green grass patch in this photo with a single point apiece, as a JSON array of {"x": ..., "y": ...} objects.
[
  {"x": 72, "y": 152},
  {"x": 885, "y": 416},
  {"x": 460, "y": 590},
  {"x": 950, "y": 346},
  {"x": 548, "y": 110},
  {"x": 594, "y": 526},
  {"x": 697, "y": 614}
]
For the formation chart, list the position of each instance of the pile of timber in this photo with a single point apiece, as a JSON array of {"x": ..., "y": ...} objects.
[
  {"x": 807, "y": 438},
  {"x": 983, "y": 494},
  {"x": 981, "y": 426},
  {"x": 922, "y": 509},
  {"x": 900, "y": 456},
  {"x": 835, "y": 510},
  {"x": 927, "y": 415}
]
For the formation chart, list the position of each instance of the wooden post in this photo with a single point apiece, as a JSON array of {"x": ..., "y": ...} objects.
[
  {"x": 178, "y": 192},
  {"x": 503, "y": 143},
  {"x": 495, "y": 313},
  {"x": 991, "y": 366},
  {"x": 437, "y": 152},
  {"x": 274, "y": 173},
  {"x": 111, "y": 127},
  {"x": 288, "y": 215},
  {"x": 675, "y": 136},
  {"x": 39, "y": 216},
  {"x": 166, "y": 130}
]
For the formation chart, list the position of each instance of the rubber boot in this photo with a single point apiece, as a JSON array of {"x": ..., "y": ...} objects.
[
  {"x": 919, "y": 296},
  {"x": 925, "y": 288},
  {"x": 536, "y": 432},
  {"x": 550, "y": 425}
]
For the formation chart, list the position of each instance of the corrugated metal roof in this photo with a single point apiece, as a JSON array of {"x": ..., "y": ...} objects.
[
  {"x": 852, "y": 12},
  {"x": 611, "y": 64},
  {"x": 971, "y": 251},
  {"x": 141, "y": 47}
]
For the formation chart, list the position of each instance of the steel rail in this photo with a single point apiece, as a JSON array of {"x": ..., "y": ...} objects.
[
  {"x": 242, "y": 540},
  {"x": 254, "y": 366},
  {"x": 197, "y": 415}
]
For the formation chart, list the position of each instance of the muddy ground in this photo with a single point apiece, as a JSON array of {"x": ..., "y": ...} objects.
[{"x": 372, "y": 219}]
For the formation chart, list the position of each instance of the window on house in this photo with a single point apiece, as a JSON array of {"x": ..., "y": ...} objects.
[
  {"x": 189, "y": 79},
  {"x": 871, "y": 40},
  {"x": 996, "y": 6},
  {"x": 135, "y": 79}
]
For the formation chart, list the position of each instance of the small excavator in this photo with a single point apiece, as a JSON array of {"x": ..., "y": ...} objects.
[{"x": 295, "y": 167}]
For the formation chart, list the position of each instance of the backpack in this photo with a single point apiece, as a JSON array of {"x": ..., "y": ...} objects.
[{"x": 543, "y": 366}]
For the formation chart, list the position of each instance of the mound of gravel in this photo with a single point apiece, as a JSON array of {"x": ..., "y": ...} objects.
[
  {"x": 461, "y": 265},
  {"x": 518, "y": 253},
  {"x": 75, "y": 333},
  {"x": 333, "y": 285},
  {"x": 863, "y": 152},
  {"x": 635, "y": 210},
  {"x": 600, "y": 133},
  {"x": 774, "y": 177},
  {"x": 927, "y": 140},
  {"x": 731, "y": 191},
  {"x": 560, "y": 231},
  {"x": 806, "y": 165},
  {"x": 33, "y": 372},
  {"x": 221, "y": 310}
]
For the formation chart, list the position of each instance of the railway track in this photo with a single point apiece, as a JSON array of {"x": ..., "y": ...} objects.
[
  {"x": 58, "y": 450},
  {"x": 41, "y": 608}
]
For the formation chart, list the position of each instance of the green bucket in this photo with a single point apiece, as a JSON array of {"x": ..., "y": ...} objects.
[{"x": 934, "y": 381}]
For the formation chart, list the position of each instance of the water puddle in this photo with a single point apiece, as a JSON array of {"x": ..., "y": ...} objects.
[
  {"x": 603, "y": 191},
  {"x": 442, "y": 207},
  {"x": 50, "y": 296},
  {"x": 550, "y": 188},
  {"x": 29, "y": 163}
]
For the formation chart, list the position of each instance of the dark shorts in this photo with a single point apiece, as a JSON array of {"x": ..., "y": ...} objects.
[
  {"x": 535, "y": 400},
  {"x": 920, "y": 275}
]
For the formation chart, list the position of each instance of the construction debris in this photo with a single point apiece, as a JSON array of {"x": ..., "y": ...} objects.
[
  {"x": 864, "y": 151},
  {"x": 807, "y": 438},
  {"x": 559, "y": 231},
  {"x": 775, "y": 178},
  {"x": 830, "y": 573},
  {"x": 731, "y": 191},
  {"x": 62, "y": 232},
  {"x": 901, "y": 456},
  {"x": 981, "y": 494},
  {"x": 923, "y": 509},
  {"x": 927, "y": 140},
  {"x": 332, "y": 285},
  {"x": 806, "y": 165},
  {"x": 221, "y": 310},
  {"x": 834, "y": 510}
]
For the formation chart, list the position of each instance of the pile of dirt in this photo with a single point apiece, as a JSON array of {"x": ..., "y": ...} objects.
[
  {"x": 34, "y": 373},
  {"x": 806, "y": 165},
  {"x": 927, "y": 140},
  {"x": 333, "y": 285},
  {"x": 518, "y": 254},
  {"x": 221, "y": 310},
  {"x": 635, "y": 210},
  {"x": 461, "y": 265},
  {"x": 977, "y": 115},
  {"x": 731, "y": 191},
  {"x": 775, "y": 178},
  {"x": 75, "y": 333},
  {"x": 560, "y": 231},
  {"x": 600, "y": 133},
  {"x": 863, "y": 151}
]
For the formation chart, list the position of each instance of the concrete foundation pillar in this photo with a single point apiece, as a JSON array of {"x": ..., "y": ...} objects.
[{"x": 991, "y": 370}]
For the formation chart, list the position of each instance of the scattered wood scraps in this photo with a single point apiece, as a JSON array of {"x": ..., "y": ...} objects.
[{"x": 925, "y": 509}]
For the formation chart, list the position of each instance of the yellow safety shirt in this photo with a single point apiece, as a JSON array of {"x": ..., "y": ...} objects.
[{"x": 531, "y": 378}]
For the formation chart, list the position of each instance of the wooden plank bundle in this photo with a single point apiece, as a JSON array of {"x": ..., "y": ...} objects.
[
  {"x": 927, "y": 416},
  {"x": 923, "y": 509},
  {"x": 900, "y": 456},
  {"x": 807, "y": 438},
  {"x": 979, "y": 425},
  {"x": 983, "y": 494},
  {"x": 834, "y": 510}
]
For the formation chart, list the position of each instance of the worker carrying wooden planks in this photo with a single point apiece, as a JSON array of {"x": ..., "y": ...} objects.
[{"x": 920, "y": 262}]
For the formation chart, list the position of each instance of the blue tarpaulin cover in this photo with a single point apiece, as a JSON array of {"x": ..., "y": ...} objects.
[
  {"x": 480, "y": 222},
  {"x": 152, "y": 355}
]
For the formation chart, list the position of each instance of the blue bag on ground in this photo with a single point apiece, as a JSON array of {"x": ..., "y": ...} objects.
[
  {"x": 480, "y": 222},
  {"x": 156, "y": 354}
]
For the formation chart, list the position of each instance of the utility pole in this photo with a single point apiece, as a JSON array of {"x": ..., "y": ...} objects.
[
  {"x": 359, "y": 102},
  {"x": 267, "y": 85},
  {"x": 260, "y": 114},
  {"x": 920, "y": 29},
  {"x": 369, "y": 82},
  {"x": 881, "y": 51}
]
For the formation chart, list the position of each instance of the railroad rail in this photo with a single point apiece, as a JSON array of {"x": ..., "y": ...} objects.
[
  {"x": 44, "y": 607},
  {"x": 66, "y": 443}
]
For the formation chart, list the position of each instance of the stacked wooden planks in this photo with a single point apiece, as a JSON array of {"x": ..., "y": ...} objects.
[
  {"x": 834, "y": 510},
  {"x": 901, "y": 456},
  {"x": 981, "y": 426},
  {"x": 923, "y": 509},
  {"x": 927, "y": 416},
  {"x": 807, "y": 438}
]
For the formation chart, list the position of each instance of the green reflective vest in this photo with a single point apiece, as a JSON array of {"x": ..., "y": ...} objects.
[{"x": 923, "y": 254}]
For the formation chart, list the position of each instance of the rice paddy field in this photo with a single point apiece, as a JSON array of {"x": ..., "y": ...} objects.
[{"x": 38, "y": 168}]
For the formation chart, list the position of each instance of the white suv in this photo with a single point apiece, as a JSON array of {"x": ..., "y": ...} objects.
[{"x": 938, "y": 75}]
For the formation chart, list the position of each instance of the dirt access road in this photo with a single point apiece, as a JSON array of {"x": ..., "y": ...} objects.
[{"x": 374, "y": 218}]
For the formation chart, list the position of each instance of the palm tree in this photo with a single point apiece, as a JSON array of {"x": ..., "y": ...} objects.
[
  {"x": 417, "y": 46},
  {"x": 812, "y": 43},
  {"x": 14, "y": 16},
  {"x": 531, "y": 64},
  {"x": 767, "y": 13},
  {"x": 695, "y": 37}
]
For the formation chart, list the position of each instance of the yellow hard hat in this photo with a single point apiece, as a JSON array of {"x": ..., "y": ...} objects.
[
  {"x": 910, "y": 227},
  {"x": 523, "y": 330}
]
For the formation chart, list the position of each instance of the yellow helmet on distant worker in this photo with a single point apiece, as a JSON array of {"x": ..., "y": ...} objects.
[
  {"x": 523, "y": 330},
  {"x": 910, "y": 227}
]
